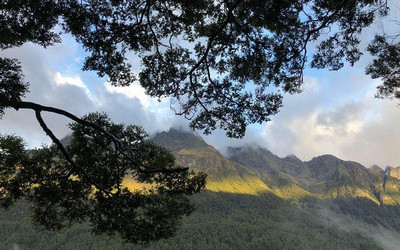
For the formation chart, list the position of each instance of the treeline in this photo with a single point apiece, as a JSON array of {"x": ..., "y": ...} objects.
[{"x": 222, "y": 221}]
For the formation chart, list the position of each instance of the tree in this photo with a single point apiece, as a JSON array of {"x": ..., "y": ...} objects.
[
  {"x": 82, "y": 182},
  {"x": 386, "y": 66},
  {"x": 237, "y": 59}
]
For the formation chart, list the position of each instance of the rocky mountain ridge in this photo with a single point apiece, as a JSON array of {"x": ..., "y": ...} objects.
[{"x": 253, "y": 170}]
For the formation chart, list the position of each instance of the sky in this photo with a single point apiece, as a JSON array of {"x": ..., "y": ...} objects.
[{"x": 336, "y": 113}]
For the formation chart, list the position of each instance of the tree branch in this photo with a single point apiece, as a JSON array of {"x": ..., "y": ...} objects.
[
  {"x": 57, "y": 142},
  {"x": 118, "y": 146}
]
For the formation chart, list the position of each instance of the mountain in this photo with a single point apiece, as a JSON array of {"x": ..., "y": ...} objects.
[
  {"x": 314, "y": 197},
  {"x": 323, "y": 177},
  {"x": 378, "y": 169},
  {"x": 254, "y": 200},
  {"x": 223, "y": 175},
  {"x": 393, "y": 172},
  {"x": 286, "y": 177},
  {"x": 176, "y": 140}
]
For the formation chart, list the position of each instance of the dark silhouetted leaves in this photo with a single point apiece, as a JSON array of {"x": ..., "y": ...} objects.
[
  {"x": 224, "y": 64},
  {"x": 92, "y": 191}
]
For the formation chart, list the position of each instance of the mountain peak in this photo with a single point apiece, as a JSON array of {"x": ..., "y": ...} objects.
[
  {"x": 331, "y": 161},
  {"x": 326, "y": 157},
  {"x": 176, "y": 139},
  {"x": 292, "y": 157},
  {"x": 378, "y": 169}
]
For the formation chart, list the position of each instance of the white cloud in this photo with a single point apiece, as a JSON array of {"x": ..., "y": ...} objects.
[
  {"x": 132, "y": 91},
  {"x": 362, "y": 129},
  {"x": 60, "y": 79},
  {"x": 76, "y": 81},
  {"x": 336, "y": 114},
  {"x": 61, "y": 84}
]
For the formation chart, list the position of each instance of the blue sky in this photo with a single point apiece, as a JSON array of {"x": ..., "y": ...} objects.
[{"x": 336, "y": 113}]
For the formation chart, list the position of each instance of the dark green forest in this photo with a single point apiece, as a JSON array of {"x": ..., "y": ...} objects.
[
  {"x": 229, "y": 221},
  {"x": 341, "y": 211}
]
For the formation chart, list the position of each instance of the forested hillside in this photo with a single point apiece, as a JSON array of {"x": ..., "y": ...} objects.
[{"x": 254, "y": 200}]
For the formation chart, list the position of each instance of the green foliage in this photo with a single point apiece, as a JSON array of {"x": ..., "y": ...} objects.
[
  {"x": 370, "y": 212},
  {"x": 385, "y": 66},
  {"x": 12, "y": 154},
  {"x": 90, "y": 190},
  {"x": 12, "y": 87},
  {"x": 28, "y": 21}
]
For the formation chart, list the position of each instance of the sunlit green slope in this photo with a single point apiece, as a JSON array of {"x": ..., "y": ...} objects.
[
  {"x": 254, "y": 170},
  {"x": 323, "y": 177},
  {"x": 223, "y": 174}
]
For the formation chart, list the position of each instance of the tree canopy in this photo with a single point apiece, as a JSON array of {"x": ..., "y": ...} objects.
[
  {"x": 217, "y": 60},
  {"x": 83, "y": 182},
  {"x": 224, "y": 64}
]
